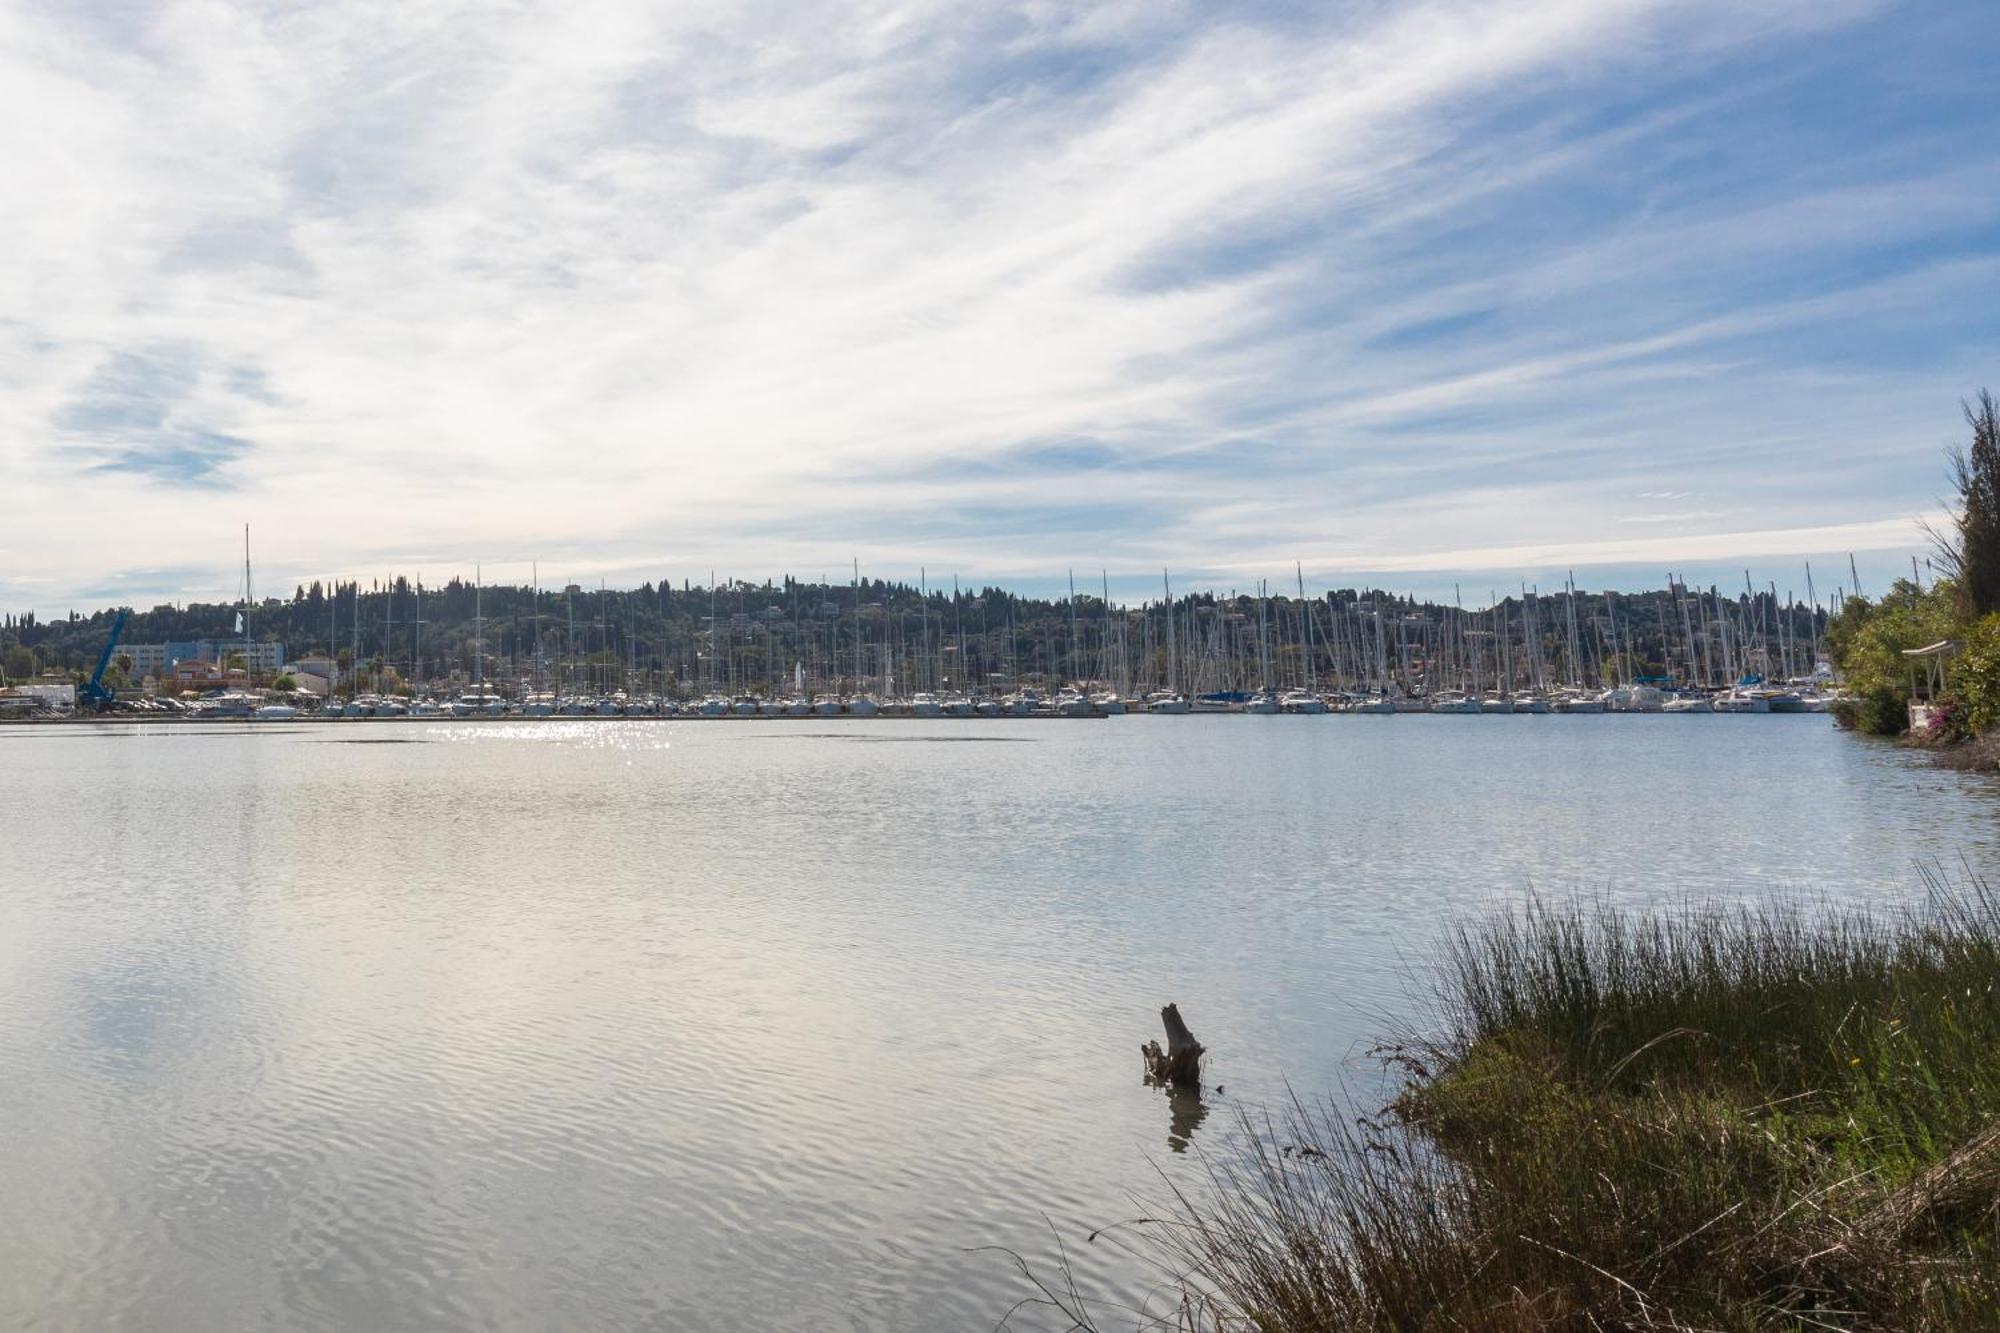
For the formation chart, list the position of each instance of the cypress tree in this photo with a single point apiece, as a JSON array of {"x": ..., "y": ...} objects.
[{"x": 1972, "y": 553}]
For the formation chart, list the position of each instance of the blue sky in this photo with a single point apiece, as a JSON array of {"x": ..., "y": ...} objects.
[{"x": 1423, "y": 294}]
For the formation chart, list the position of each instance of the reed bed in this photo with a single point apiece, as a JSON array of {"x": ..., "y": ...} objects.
[{"x": 1780, "y": 1117}]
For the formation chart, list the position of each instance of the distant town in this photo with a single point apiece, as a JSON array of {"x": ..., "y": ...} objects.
[{"x": 797, "y": 642}]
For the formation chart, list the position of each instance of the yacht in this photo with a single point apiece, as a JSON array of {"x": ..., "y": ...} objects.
[
  {"x": 1375, "y": 705},
  {"x": 1301, "y": 701},
  {"x": 1451, "y": 702},
  {"x": 1578, "y": 701},
  {"x": 1166, "y": 702},
  {"x": 862, "y": 706},
  {"x": 1070, "y": 702},
  {"x": 1108, "y": 703},
  {"x": 713, "y": 706},
  {"x": 538, "y": 705},
  {"x": 957, "y": 705},
  {"x": 1263, "y": 702},
  {"x": 478, "y": 705},
  {"x": 925, "y": 705},
  {"x": 745, "y": 706},
  {"x": 270, "y": 712},
  {"x": 1496, "y": 703},
  {"x": 390, "y": 706},
  {"x": 1740, "y": 700},
  {"x": 771, "y": 708},
  {"x": 826, "y": 706},
  {"x": 1688, "y": 703},
  {"x": 1635, "y": 699},
  {"x": 1530, "y": 703}
]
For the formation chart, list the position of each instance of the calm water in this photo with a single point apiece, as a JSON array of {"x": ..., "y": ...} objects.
[{"x": 766, "y": 1025}]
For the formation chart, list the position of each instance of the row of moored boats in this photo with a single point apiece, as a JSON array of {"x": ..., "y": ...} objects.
[{"x": 1027, "y": 702}]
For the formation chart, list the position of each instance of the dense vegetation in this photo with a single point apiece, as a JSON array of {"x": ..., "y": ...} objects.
[
  {"x": 1752, "y": 1120},
  {"x": 1867, "y": 639}
]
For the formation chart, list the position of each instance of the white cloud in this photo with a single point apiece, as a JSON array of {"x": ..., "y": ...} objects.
[{"x": 614, "y": 282}]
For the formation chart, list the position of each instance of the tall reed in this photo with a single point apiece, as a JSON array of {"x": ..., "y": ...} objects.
[{"x": 1777, "y": 1117}]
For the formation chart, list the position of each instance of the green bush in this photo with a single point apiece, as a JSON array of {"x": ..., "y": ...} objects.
[
  {"x": 1879, "y": 711},
  {"x": 1975, "y": 674}
]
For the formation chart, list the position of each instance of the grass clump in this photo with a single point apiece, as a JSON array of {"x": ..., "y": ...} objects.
[{"x": 1760, "y": 1119}]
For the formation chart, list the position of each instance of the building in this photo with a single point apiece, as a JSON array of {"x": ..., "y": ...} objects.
[
  {"x": 261, "y": 658},
  {"x": 48, "y": 692},
  {"x": 199, "y": 673},
  {"x": 310, "y": 682},
  {"x": 313, "y": 664},
  {"x": 158, "y": 659}
]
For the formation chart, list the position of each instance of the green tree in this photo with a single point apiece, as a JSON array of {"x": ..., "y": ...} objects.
[
  {"x": 1970, "y": 550},
  {"x": 1866, "y": 641},
  {"x": 20, "y": 662}
]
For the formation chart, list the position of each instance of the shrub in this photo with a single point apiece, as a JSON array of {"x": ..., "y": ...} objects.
[{"x": 1877, "y": 711}]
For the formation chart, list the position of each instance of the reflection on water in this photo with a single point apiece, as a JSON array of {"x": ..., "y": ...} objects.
[
  {"x": 1188, "y": 1112},
  {"x": 605, "y": 1025}
]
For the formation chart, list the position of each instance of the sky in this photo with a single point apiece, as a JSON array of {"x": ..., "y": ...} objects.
[{"x": 1434, "y": 294}]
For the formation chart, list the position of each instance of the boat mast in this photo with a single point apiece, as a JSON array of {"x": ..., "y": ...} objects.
[
  {"x": 417, "y": 634},
  {"x": 478, "y": 630},
  {"x": 1813, "y": 624},
  {"x": 246, "y": 612}
]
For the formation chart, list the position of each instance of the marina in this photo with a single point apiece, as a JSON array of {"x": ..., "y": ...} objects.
[{"x": 891, "y": 651}]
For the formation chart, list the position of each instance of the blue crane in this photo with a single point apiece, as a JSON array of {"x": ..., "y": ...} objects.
[{"x": 95, "y": 696}]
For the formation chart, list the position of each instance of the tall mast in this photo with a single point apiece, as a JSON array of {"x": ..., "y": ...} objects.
[
  {"x": 1075, "y": 641},
  {"x": 246, "y": 611},
  {"x": 1813, "y": 624},
  {"x": 1123, "y": 686},
  {"x": 478, "y": 630}
]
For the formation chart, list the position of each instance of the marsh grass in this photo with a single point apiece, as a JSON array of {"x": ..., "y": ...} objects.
[{"x": 1763, "y": 1118}]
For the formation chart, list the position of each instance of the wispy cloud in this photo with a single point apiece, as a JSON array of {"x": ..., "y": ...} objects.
[{"x": 631, "y": 286}]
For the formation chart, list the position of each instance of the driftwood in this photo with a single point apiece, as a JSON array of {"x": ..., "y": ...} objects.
[{"x": 1179, "y": 1066}]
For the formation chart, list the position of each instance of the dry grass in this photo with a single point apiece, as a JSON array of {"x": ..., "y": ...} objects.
[{"x": 1759, "y": 1120}]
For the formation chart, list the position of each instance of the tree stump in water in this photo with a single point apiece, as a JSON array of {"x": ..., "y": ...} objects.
[{"x": 1179, "y": 1066}]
